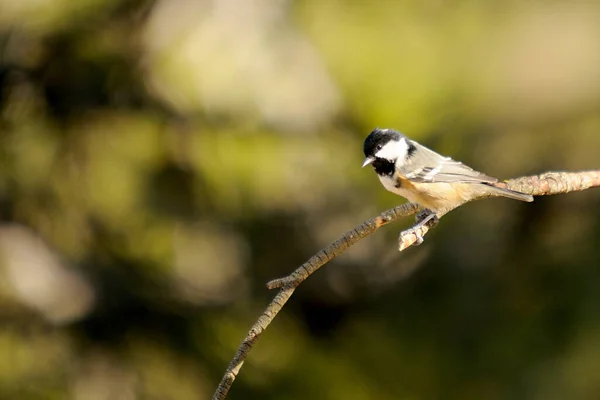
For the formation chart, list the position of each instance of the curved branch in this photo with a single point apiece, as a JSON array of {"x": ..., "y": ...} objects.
[{"x": 538, "y": 185}]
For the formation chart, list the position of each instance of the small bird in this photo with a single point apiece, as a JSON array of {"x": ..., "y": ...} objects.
[{"x": 422, "y": 176}]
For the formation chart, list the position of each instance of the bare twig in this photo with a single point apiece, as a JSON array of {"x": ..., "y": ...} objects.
[{"x": 539, "y": 185}]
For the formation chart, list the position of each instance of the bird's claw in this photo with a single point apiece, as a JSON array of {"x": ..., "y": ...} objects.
[
  {"x": 404, "y": 243},
  {"x": 419, "y": 237}
]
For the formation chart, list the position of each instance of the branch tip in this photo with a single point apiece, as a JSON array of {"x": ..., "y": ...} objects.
[{"x": 276, "y": 283}]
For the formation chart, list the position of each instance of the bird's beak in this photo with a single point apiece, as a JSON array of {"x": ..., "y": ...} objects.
[{"x": 368, "y": 161}]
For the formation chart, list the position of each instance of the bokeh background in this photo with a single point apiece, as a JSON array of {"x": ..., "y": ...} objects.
[{"x": 161, "y": 160}]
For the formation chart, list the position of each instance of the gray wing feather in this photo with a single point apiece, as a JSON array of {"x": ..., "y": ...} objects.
[{"x": 428, "y": 166}]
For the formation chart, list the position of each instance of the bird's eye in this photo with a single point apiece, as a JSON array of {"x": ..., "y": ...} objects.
[{"x": 379, "y": 147}]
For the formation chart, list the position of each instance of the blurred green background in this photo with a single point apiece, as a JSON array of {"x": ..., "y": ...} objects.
[{"x": 161, "y": 160}]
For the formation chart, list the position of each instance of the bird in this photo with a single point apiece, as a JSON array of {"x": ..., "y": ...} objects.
[{"x": 437, "y": 183}]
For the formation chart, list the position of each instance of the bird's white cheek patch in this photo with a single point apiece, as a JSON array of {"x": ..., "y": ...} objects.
[{"x": 393, "y": 150}]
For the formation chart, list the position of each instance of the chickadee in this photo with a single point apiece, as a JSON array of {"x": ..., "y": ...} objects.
[{"x": 422, "y": 176}]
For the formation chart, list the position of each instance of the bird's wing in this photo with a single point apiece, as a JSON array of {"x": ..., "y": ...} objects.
[{"x": 426, "y": 165}]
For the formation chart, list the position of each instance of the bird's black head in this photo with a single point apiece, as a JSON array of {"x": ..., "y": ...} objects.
[
  {"x": 383, "y": 161},
  {"x": 379, "y": 138}
]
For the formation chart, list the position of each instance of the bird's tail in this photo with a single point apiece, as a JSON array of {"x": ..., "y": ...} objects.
[{"x": 511, "y": 194}]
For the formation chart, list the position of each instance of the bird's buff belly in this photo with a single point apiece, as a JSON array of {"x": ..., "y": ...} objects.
[{"x": 438, "y": 196}]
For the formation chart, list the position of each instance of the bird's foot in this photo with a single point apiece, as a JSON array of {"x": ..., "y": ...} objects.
[{"x": 425, "y": 217}]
